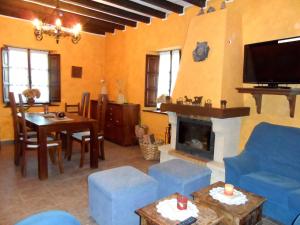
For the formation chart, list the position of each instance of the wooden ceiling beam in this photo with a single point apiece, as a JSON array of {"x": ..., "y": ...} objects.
[
  {"x": 17, "y": 9},
  {"x": 200, "y": 3},
  {"x": 65, "y": 6},
  {"x": 36, "y": 4},
  {"x": 166, "y": 5},
  {"x": 110, "y": 9},
  {"x": 138, "y": 7}
]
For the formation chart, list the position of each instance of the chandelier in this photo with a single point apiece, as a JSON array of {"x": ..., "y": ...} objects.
[{"x": 56, "y": 30}]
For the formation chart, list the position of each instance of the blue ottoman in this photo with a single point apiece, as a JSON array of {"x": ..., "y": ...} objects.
[
  {"x": 180, "y": 176},
  {"x": 115, "y": 194},
  {"x": 53, "y": 217}
]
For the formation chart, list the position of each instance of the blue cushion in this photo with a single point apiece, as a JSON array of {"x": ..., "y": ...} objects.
[
  {"x": 115, "y": 194},
  {"x": 179, "y": 176},
  {"x": 297, "y": 220},
  {"x": 294, "y": 200},
  {"x": 53, "y": 217},
  {"x": 272, "y": 186}
]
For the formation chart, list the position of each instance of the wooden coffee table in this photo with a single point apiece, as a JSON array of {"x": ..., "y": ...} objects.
[
  {"x": 150, "y": 216},
  {"x": 248, "y": 214}
]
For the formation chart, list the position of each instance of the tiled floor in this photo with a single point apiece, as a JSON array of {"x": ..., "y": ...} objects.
[{"x": 20, "y": 196}]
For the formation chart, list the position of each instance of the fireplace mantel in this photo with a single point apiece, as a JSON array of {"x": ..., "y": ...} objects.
[{"x": 192, "y": 110}]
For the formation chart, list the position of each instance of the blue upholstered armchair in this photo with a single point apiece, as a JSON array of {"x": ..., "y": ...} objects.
[{"x": 270, "y": 166}]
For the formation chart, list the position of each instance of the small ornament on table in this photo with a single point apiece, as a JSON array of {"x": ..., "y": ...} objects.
[
  {"x": 31, "y": 95},
  {"x": 228, "y": 189},
  {"x": 182, "y": 202}
]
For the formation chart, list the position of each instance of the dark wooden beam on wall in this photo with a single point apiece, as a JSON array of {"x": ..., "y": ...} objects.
[
  {"x": 200, "y": 3},
  {"x": 66, "y": 6},
  {"x": 112, "y": 10},
  {"x": 138, "y": 7},
  {"x": 34, "y": 5},
  {"x": 12, "y": 8},
  {"x": 166, "y": 5}
]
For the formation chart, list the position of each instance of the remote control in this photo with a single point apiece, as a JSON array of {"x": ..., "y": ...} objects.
[{"x": 188, "y": 221}]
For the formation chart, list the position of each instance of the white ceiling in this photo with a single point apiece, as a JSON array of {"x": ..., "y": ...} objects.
[{"x": 179, "y": 2}]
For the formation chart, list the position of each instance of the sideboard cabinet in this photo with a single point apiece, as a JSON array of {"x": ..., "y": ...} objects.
[{"x": 120, "y": 121}]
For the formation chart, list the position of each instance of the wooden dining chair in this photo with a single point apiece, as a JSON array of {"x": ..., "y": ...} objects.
[
  {"x": 72, "y": 108},
  {"x": 84, "y": 137},
  {"x": 18, "y": 135},
  {"x": 82, "y": 110},
  {"x": 85, "y": 104},
  {"x": 30, "y": 143}
]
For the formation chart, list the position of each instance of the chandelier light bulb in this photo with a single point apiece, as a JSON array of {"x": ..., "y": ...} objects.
[
  {"x": 36, "y": 23},
  {"x": 76, "y": 29},
  {"x": 58, "y": 22}
]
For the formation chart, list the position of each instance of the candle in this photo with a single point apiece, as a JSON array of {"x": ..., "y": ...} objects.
[
  {"x": 181, "y": 202},
  {"x": 228, "y": 189}
]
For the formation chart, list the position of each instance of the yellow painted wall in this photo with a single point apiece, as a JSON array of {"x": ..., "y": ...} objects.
[
  {"x": 203, "y": 78},
  {"x": 233, "y": 60},
  {"x": 125, "y": 59},
  {"x": 253, "y": 21},
  {"x": 89, "y": 53}
]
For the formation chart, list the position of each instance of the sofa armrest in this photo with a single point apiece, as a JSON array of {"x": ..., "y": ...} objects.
[{"x": 239, "y": 165}]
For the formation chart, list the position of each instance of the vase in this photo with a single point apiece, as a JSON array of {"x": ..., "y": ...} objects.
[{"x": 30, "y": 101}]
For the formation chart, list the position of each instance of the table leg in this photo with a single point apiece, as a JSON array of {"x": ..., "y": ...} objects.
[
  {"x": 42, "y": 154},
  {"x": 69, "y": 148},
  {"x": 94, "y": 152}
]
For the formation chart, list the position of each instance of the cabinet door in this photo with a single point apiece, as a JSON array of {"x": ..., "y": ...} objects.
[{"x": 109, "y": 132}]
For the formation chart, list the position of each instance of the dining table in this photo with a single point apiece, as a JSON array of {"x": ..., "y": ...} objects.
[{"x": 44, "y": 124}]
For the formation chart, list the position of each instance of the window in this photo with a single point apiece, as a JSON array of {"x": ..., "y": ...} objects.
[
  {"x": 161, "y": 75},
  {"x": 27, "y": 68}
]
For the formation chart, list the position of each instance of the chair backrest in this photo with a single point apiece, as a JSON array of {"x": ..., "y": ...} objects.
[
  {"x": 72, "y": 108},
  {"x": 23, "y": 127},
  {"x": 276, "y": 147},
  {"x": 85, "y": 103},
  {"x": 101, "y": 111},
  {"x": 13, "y": 106}
]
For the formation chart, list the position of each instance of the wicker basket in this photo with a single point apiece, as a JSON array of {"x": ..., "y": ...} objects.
[{"x": 150, "y": 151}]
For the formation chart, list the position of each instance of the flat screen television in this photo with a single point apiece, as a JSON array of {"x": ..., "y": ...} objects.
[{"x": 273, "y": 62}]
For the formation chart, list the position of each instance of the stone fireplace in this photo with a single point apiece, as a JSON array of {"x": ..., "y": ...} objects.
[
  {"x": 224, "y": 127},
  {"x": 195, "y": 137}
]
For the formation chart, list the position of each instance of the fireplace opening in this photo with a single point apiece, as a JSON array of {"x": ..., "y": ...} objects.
[{"x": 195, "y": 137}]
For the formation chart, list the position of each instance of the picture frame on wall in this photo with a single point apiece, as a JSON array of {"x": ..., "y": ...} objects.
[{"x": 76, "y": 72}]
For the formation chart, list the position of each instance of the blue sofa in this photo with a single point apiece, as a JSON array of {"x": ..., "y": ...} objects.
[{"x": 270, "y": 166}]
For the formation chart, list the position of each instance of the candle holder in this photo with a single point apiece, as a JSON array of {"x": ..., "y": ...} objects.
[
  {"x": 228, "y": 189},
  {"x": 182, "y": 202}
]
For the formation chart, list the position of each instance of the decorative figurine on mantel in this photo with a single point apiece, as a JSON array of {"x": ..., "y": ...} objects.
[
  {"x": 223, "y": 104},
  {"x": 197, "y": 100},
  {"x": 208, "y": 103},
  {"x": 188, "y": 101},
  {"x": 179, "y": 101}
]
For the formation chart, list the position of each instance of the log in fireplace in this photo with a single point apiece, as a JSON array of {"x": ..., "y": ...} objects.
[{"x": 195, "y": 137}]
